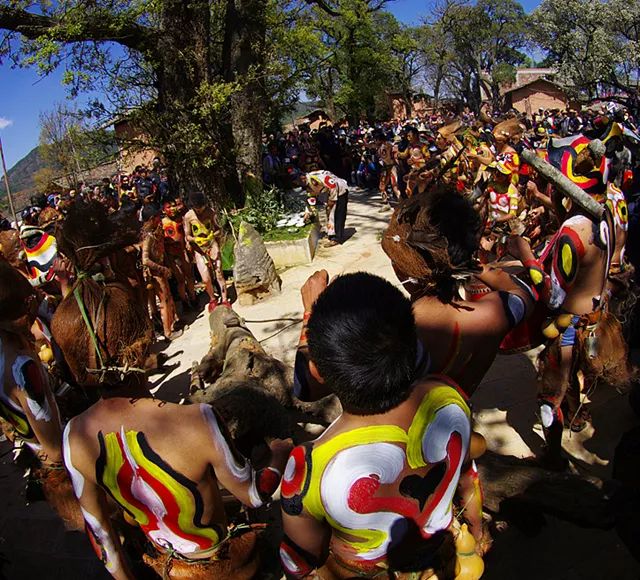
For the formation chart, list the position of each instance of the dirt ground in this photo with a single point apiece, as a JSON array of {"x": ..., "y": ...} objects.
[{"x": 33, "y": 543}]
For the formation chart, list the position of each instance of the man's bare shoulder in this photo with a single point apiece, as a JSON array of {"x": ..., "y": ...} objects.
[{"x": 143, "y": 414}]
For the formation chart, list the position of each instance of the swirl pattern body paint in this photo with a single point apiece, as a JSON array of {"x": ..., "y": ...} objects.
[
  {"x": 166, "y": 505},
  {"x": 371, "y": 480}
]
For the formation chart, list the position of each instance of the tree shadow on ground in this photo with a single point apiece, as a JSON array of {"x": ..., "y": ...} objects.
[{"x": 510, "y": 386}]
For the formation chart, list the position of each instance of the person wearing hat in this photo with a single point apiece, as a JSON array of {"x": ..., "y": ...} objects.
[
  {"x": 506, "y": 135},
  {"x": 503, "y": 197}
]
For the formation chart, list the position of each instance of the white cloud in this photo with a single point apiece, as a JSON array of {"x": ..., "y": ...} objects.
[{"x": 4, "y": 123}]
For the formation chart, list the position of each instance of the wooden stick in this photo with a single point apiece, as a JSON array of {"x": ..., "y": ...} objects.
[
  {"x": 564, "y": 184},
  {"x": 6, "y": 183}
]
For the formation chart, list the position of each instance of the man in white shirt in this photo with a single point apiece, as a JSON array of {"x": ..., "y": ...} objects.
[{"x": 337, "y": 190}]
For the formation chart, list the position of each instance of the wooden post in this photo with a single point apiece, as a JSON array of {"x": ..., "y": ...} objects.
[{"x": 6, "y": 182}]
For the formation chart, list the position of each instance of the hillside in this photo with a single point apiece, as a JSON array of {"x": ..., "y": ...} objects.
[{"x": 21, "y": 174}]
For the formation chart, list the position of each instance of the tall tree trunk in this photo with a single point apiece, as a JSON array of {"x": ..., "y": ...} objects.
[
  {"x": 245, "y": 30},
  {"x": 437, "y": 85}
]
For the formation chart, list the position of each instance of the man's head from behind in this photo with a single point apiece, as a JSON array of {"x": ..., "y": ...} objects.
[{"x": 362, "y": 341}]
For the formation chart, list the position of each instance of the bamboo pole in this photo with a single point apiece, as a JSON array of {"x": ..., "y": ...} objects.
[{"x": 6, "y": 183}]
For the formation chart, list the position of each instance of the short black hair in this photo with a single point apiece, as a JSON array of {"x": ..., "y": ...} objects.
[
  {"x": 150, "y": 210},
  {"x": 362, "y": 338},
  {"x": 197, "y": 199}
]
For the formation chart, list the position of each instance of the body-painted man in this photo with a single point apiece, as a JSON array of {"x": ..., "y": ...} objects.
[
  {"x": 374, "y": 493},
  {"x": 503, "y": 197},
  {"x": 27, "y": 404},
  {"x": 506, "y": 135},
  {"x": 337, "y": 192},
  {"x": 158, "y": 274},
  {"x": 201, "y": 230},
  {"x": 176, "y": 250},
  {"x": 570, "y": 278},
  {"x": 416, "y": 155},
  {"x": 389, "y": 171},
  {"x": 162, "y": 464}
]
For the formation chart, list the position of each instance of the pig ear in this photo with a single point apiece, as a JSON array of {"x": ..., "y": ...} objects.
[{"x": 564, "y": 184}]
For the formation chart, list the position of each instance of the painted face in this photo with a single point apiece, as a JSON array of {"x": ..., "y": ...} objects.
[
  {"x": 170, "y": 209},
  {"x": 41, "y": 251}
]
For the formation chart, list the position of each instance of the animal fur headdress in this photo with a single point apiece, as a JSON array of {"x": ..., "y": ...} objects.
[
  {"x": 509, "y": 129},
  {"x": 450, "y": 130},
  {"x": 89, "y": 233},
  {"x": 416, "y": 243}
]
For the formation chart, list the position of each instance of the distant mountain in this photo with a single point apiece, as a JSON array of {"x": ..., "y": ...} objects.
[{"x": 21, "y": 174}]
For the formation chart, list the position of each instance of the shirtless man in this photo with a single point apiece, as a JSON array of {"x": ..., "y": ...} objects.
[
  {"x": 461, "y": 336},
  {"x": 153, "y": 258},
  {"x": 201, "y": 230},
  {"x": 27, "y": 403},
  {"x": 176, "y": 250},
  {"x": 389, "y": 171},
  {"x": 374, "y": 492},
  {"x": 162, "y": 464},
  {"x": 503, "y": 197},
  {"x": 506, "y": 135},
  {"x": 416, "y": 155},
  {"x": 570, "y": 278}
]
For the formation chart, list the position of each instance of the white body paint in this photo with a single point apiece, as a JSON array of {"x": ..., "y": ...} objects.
[
  {"x": 242, "y": 473},
  {"x": 141, "y": 490},
  {"x": 384, "y": 460},
  {"x": 113, "y": 559},
  {"x": 77, "y": 480},
  {"x": 448, "y": 420},
  {"x": 39, "y": 412}
]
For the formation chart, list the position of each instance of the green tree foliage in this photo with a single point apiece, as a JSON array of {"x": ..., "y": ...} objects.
[
  {"x": 189, "y": 74},
  {"x": 473, "y": 48},
  {"x": 595, "y": 45},
  {"x": 354, "y": 52}
]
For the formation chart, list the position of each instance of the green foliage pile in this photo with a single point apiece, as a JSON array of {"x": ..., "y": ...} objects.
[{"x": 263, "y": 209}]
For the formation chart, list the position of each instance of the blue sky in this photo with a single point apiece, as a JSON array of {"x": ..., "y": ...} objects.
[{"x": 26, "y": 95}]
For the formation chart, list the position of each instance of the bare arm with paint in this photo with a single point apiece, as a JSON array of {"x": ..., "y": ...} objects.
[
  {"x": 499, "y": 280},
  {"x": 39, "y": 405},
  {"x": 92, "y": 498},
  {"x": 305, "y": 545},
  {"x": 147, "y": 260},
  {"x": 235, "y": 473},
  {"x": 306, "y": 387}
]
